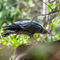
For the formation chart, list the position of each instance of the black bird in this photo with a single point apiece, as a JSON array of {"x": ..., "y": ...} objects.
[{"x": 24, "y": 27}]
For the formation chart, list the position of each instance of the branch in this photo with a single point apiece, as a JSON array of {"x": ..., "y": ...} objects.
[
  {"x": 46, "y": 4},
  {"x": 51, "y": 12},
  {"x": 46, "y": 14}
]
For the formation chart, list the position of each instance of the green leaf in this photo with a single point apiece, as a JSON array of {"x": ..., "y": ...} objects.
[{"x": 50, "y": 4}]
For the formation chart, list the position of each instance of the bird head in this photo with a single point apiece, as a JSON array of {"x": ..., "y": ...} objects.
[{"x": 45, "y": 32}]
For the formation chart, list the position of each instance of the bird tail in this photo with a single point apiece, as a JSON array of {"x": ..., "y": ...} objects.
[
  {"x": 9, "y": 27},
  {"x": 12, "y": 28},
  {"x": 8, "y": 33}
]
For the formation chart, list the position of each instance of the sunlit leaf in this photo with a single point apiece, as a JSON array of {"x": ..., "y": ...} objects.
[{"x": 50, "y": 4}]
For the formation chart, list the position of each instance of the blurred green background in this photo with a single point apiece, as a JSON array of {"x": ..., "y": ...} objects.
[{"x": 21, "y": 10}]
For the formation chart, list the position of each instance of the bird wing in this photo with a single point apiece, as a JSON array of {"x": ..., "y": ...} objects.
[{"x": 28, "y": 26}]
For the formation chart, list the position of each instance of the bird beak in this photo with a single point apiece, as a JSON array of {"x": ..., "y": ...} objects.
[{"x": 47, "y": 32}]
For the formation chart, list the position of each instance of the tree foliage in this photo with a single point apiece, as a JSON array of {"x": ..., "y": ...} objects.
[{"x": 19, "y": 10}]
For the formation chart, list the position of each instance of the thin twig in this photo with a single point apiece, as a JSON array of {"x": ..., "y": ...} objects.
[
  {"x": 51, "y": 12},
  {"x": 46, "y": 4},
  {"x": 45, "y": 14}
]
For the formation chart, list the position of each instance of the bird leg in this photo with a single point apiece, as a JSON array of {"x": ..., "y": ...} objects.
[
  {"x": 31, "y": 36},
  {"x": 35, "y": 40}
]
